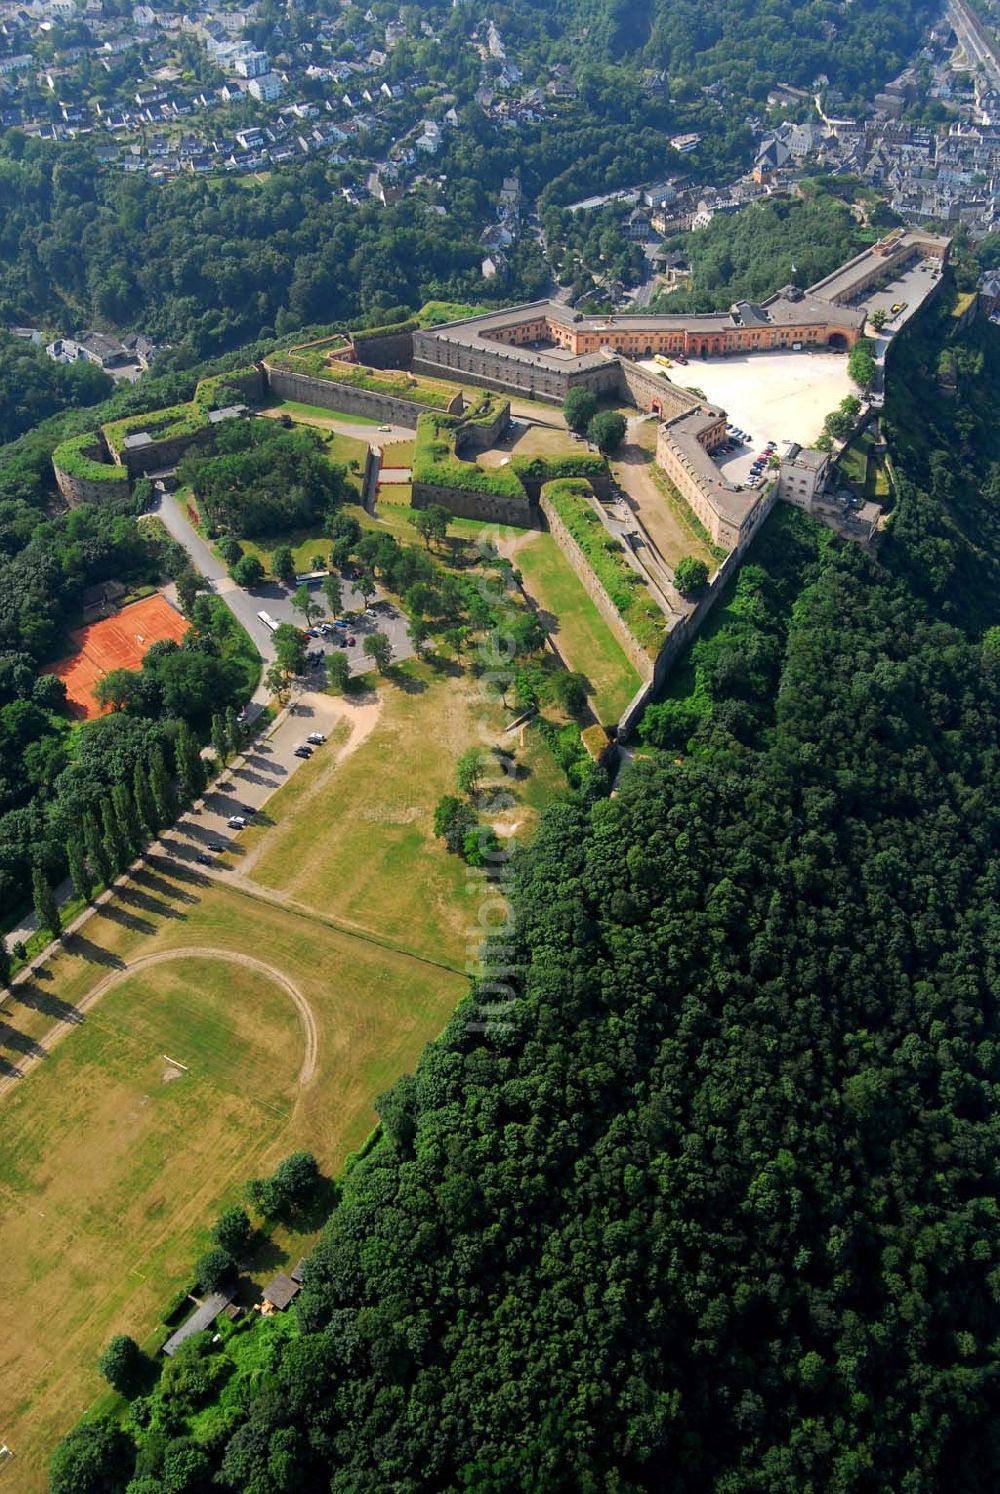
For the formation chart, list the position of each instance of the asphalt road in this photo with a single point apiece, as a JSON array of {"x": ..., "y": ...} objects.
[
  {"x": 276, "y": 599},
  {"x": 243, "y": 790},
  {"x": 241, "y": 603}
]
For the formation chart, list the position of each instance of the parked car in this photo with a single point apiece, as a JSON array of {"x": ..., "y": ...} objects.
[
  {"x": 316, "y": 737},
  {"x": 342, "y": 640},
  {"x": 216, "y": 847},
  {"x": 303, "y": 752},
  {"x": 236, "y": 822},
  {"x": 385, "y": 427},
  {"x": 351, "y": 641},
  {"x": 312, "y": 632},
  {"x": 204, "y": 861}
]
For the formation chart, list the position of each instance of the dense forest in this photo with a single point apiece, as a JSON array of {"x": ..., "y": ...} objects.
[
  {"x": 941, "y": 418},
  {"x": 747, "y": 47},
  {"x": 698, "y": 1190},
  {"x": 32, "y": 387},
  {"x": 782, "y": 241}
]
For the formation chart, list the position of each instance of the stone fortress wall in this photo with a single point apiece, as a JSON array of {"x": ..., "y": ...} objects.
[
  {"x": 630, "y": 645},
  {"x": 79, "y": 486}
]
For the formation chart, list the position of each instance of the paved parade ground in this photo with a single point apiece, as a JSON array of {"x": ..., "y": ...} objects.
[{"x": 775, "y": 396}]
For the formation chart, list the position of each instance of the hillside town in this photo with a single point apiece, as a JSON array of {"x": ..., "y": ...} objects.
[{"x": 161, "y": 93}]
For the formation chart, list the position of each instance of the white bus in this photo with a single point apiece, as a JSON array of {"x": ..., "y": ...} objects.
[{"x": 268, "y": 621}]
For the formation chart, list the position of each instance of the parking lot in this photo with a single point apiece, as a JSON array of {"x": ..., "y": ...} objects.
[
  {"x": 380, "y": 617},
  {"x": 245, "y": 789},
  {"x": 774, "y": 396}
]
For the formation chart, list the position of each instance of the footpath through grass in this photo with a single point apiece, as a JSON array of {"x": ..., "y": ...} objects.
[{"x": 366, "y": 852}]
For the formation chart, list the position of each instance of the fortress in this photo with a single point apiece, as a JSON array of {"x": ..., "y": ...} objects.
[
  {"x": 412, "y": 374},
  {"x": 544, "y": 349}
]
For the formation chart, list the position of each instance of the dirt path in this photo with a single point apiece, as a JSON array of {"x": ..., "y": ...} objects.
[
  {"x": 509, "y": 547},
  {"x": 192, "y": 952}
]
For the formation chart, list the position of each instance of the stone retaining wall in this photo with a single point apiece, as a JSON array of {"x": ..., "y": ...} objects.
[
  {"x": 346, "y": 399},
  {"x": 395, "y": 350},
  {"x": 467, "y": 504},
  {"x": 167, "y": 453},
  {"x": 686, "y": 629},
  {"x": 594, "y": 589},
  {"x": 647, "y": 390},
  {"x": 477, "y": 436}
]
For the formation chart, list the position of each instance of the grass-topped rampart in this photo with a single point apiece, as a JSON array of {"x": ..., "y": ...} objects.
[
  {"x": 163, "y": 425},
  {"x": 435, "y": 462},
  {"x": 625, "y": 587},
  {"x": 76, "y": 458},
  {"x": 550, "y": 468},
  {"x": 392, "y": 382},
  {"x": 174, "y": 422}
]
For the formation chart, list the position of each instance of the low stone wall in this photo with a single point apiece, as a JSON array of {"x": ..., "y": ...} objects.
[
  {"x": 369, "y": 482},
  {"x": 467, "y": 504},
  {"x": 345, "y": 399},
  {"x": 592, "y": 586}
]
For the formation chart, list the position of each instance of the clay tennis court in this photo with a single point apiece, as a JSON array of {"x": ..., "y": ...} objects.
[{"x": 118, "y": 642}]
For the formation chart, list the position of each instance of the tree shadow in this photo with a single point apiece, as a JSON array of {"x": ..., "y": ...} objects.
[
  {"x": 441, "y": 664},
  {"x": 264, "y": 1254},
  {"x": 94, "y": 954},
  {"x": 406, "y": 682},
  {"x": 138, "y": 899},
  {"x": 160, "y": 885},
  {"x": 10, "y": 1037},
  {"x": 44, "y": 1001},
  {"x": 127, "y": 920},
  {"x": 268, "y": 783},
  {"x": 179, "y": 870},
  {"x": 9, "y": 1070},
  {"x": 314, "y": 1213}
]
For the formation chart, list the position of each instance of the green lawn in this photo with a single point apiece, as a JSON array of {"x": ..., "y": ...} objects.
[
  {"x": 114, "y": 1162},
  {"x": 361, "y": 846},
  {"x": 578, "y": 630},
  {"x": 305, "y": 544},
  {"x": 398, "y": 454},
  {"x": 317, "y": 412}
]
